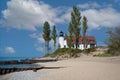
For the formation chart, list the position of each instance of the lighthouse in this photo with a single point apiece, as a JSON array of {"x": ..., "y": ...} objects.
[{"x": 61, "y": 39}]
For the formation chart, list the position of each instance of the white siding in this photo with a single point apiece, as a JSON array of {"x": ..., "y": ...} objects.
[
  {"x": 88, "y": 46},
  {"x": 61, "y": 42},
  {"x": 65, "y": 44},
  {"x": 81, "y": 46}
]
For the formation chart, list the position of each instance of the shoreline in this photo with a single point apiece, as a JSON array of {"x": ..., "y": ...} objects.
[
  {"x": 7, "y": 67},
  {"x": 83, "y": 68},
  {"x": 28, "y": 61}
]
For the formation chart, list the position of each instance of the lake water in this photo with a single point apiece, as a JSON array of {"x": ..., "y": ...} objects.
[
  {"x": 13, "y": 58},
  {"x": 16, "y": 65},
  {"x": 20, "y": 66}
]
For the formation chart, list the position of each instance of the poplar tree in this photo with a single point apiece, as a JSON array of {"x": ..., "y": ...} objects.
[
  {"x": 75, "y": 22},
  {"x": 46, "y": 36},
  {"x": 54, "y": 35},
  {"x": 84, "y": 30},
  {"x": 70, "y": 29}
]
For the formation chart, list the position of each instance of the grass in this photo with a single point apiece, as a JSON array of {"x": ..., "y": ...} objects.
[
  {"x": 103, "y": 55},
  {"x": 69, "y": 52},
  {"x": 65, "y": 52},
  {"x": 87, "y": 51}
]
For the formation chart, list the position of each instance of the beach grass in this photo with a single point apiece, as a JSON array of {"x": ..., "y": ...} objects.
[
  {"x": 65, "y": 51},
  {"x": 103, "y": 55}
]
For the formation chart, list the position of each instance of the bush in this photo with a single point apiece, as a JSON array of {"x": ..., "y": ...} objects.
[{"x": 113, "y": 41}]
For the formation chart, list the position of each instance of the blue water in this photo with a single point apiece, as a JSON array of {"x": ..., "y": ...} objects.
[
  {"x": 13, "y": 58},
  {"x": 19, "y": 66},
  {"x": 16, "y": 65}
]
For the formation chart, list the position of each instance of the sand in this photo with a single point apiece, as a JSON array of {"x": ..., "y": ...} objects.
[{"x": 83, "y": 68}]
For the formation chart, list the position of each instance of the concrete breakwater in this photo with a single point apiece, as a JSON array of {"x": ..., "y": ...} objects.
[{"x": 5, "y": 69}]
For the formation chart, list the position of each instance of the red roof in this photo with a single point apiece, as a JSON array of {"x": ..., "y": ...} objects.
[{"x": 90, "y": 39}]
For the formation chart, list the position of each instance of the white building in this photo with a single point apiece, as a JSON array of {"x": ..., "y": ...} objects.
[{"x": 91, "y": 42}]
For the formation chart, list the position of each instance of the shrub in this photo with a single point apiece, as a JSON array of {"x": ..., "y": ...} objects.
[
  {"x": 65, "y": 51},
  {"x": 113, "y": 41}
]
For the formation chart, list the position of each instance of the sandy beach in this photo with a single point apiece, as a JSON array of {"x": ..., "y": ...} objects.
[{"x": 83, "y": 68}]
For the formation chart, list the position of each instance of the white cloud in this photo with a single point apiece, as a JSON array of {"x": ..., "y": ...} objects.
[
  {"x": 40, "y": 43},
  {"x": 29, "y": 14},
  {"x": 117, "y": 2},
  {"x": 89, "y": 5},
  {"x": 38, "y": 37},
  {"x": 98, "y": 15},
  {"x": 106, "y": 17},
  {"x": 93, "y": 5},
  {"x": 40, "y": 49},
  {"x": 9, "y": 50}
]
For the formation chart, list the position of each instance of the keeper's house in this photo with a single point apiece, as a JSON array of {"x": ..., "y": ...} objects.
[{"x": 91, "y": 41}]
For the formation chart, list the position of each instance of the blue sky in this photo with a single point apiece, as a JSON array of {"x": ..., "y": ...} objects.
[{"x": 21, "y": 22}]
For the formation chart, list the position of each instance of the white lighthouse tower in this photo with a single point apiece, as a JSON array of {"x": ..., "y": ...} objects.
[{"x": 61, "y": 39}]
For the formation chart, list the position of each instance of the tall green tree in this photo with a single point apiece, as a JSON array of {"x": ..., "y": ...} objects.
[
  {"x": 54, "y": 35},
  {"x": 75, "y": 22},
  {"x": 84, "y": 30},
  {"x": 46, "y": 36},
  {"x": 70, "y": 29}
]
